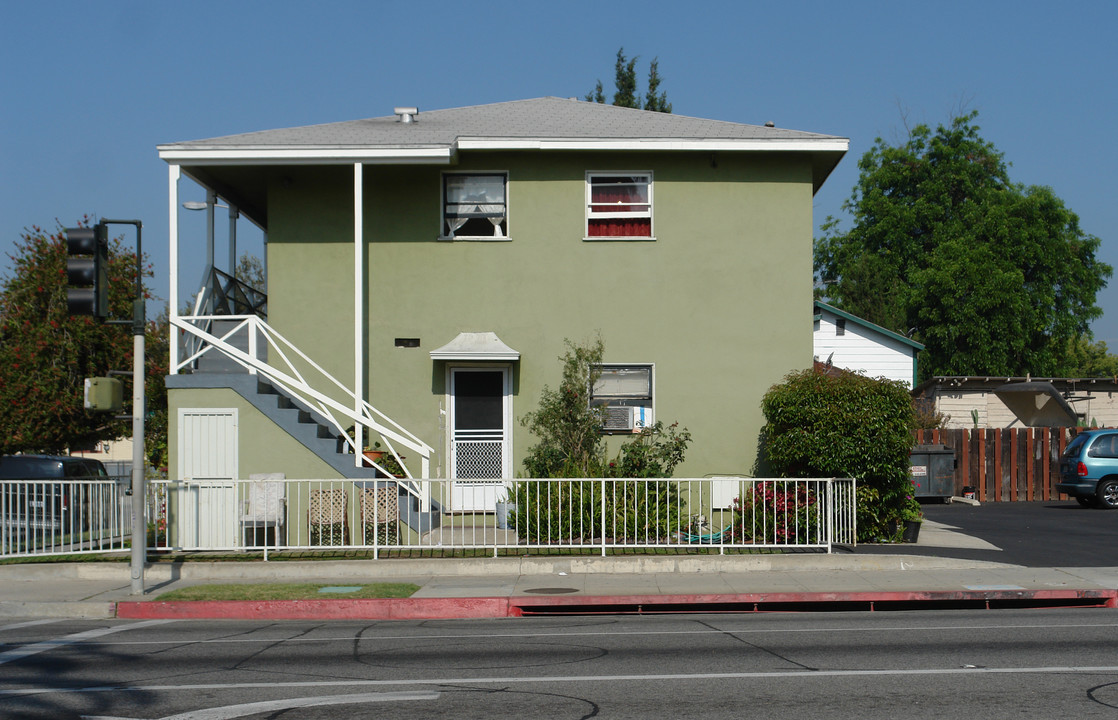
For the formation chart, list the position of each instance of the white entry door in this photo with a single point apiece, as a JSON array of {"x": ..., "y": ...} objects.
[
  {"x": 208, "y": 466},
  {"x": 480, "y": 444}
]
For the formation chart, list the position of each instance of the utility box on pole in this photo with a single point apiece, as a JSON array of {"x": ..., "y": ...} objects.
[{"x": 103, "y": 394}]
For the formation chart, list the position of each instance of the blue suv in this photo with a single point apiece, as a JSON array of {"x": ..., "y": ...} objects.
[{"x": 1089, "y": 468}]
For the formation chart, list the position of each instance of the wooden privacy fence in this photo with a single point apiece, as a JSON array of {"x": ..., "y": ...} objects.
[{"x": 1005, "y": 464}]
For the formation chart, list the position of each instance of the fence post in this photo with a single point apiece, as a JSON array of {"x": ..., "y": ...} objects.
[
  {"x": 831, "y": 512},
  {"x": 603, "y": 537}
]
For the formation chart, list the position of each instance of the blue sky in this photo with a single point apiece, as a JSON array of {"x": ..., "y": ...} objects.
[{"x": 88, "y": 89}]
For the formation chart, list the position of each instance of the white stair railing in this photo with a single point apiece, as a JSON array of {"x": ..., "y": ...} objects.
[{"x": 295, "y": 373}]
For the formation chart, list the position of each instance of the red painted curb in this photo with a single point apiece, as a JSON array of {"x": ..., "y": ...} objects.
[{"x": 498, "y": 607}]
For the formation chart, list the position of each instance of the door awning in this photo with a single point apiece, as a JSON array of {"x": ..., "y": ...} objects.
[{"x": 475, "y": 346}]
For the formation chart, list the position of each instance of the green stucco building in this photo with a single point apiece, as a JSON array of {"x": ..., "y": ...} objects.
[{"x": 425, "y": 268}]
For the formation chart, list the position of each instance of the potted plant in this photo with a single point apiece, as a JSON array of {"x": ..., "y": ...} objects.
[
  {"x": 384, "y": 459},
  {"x": 911, "y": 519}
]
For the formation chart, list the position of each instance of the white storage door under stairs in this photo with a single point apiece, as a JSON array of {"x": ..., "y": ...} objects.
[{"x": 208, "y": 467}]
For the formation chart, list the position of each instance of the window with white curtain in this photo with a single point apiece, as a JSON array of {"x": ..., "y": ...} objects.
[{"x": 475, "y": 207}]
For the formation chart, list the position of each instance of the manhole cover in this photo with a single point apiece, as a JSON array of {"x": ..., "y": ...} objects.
[{"x": 551, "y": 591}]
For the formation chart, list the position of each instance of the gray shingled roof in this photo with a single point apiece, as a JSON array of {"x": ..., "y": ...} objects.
[{"x": 548, "y": 118}]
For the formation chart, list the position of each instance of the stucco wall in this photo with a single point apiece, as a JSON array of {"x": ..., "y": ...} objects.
[{"x": 720, "y": 302}]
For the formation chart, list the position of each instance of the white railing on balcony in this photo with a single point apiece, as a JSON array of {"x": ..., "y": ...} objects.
[
  {"x": 600, "y": 515},
  {"x": 64, "y": 517},
  {"x": 273, "y": 357}
]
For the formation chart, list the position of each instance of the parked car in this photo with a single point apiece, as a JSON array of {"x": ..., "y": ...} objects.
[
  {"x": 38, "y": 492},
  {"x": 1089, "y": 468}
]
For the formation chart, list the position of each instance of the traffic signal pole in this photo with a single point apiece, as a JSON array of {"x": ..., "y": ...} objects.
[
  {"x": 139, "y": 492},
  {"x": 86, "y": 270}
]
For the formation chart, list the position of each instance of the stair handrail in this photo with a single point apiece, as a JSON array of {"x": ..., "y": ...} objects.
[
  {"x": 291, "y": 380},
  {"x": 222, "y": 294}
]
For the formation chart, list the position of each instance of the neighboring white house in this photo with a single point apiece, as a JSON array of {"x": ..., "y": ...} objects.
[{"x": 854, "y": 344}]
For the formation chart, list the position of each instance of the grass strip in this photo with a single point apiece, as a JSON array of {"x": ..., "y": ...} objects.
[{"x": 287, "y": 591}]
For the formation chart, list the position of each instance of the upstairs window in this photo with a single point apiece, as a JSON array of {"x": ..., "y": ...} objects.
[
  {"x": 474, "y": 206},
  {"x": 619, "y": 205},
  {"x": 625, "y": 394}
]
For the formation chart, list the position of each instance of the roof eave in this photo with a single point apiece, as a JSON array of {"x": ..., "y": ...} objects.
[
  {"x": 178, "y": 154},
  {"x": 444, "y": 154}
]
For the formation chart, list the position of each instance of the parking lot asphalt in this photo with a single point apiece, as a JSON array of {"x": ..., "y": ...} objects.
[{"x": 1054, "y": 533}]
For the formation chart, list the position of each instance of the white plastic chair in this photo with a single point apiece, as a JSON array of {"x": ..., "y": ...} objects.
[{"x": 265, "y": 507}]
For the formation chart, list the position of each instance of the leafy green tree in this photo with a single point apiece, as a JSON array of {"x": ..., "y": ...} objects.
[
  {"x": 846, "y": 425},
  {"x": 568, "y": 428},
  {"x": 1090, "y": 359},
  {"x": 45, "y": 354},
  {"x": 157, "y": 361},
  {"x": 991, "y": 276},
  {"x": 626, "y": 93},
  {"x": 250, "y": 271}
]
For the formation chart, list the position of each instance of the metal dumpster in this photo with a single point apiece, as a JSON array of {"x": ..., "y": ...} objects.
[{"x": 932, "y": 468}]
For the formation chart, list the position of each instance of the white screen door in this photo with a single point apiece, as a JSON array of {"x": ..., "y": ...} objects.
[{"x": 480, "y": 452}]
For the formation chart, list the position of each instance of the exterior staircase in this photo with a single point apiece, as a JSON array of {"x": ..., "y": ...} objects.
[{"x": 309, "y": 428}]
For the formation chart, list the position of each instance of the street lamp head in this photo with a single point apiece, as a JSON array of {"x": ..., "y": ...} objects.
[{"x": 199, "y": 205}]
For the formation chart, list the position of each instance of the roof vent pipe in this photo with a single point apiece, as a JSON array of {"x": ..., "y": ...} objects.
[{"x": 405, "y": 114}]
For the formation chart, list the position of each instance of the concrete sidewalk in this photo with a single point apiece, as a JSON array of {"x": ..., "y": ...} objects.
[{"x": 499, "y": 587}]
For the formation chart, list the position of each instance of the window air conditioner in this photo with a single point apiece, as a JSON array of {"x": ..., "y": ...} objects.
[{"x": 618, "y": 418}]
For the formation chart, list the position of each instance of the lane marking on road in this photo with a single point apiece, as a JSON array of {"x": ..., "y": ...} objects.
[
  {"x": 482, "y": 635},
  {"x": 29, "y": 623},
  {"x": 506, "y": 680},
  {"x": 228, "y": 712},
  {"x": 36, "y": 648}
]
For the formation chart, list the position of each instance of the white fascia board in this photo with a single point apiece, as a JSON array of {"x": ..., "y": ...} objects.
[
  {"x": 784, "y": 145},
  {"x": 318, "y": 156},
  {"x": 478, "y": 356}
]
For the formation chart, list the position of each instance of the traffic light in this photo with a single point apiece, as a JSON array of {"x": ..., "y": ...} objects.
[{"x": 87, "y": 266}]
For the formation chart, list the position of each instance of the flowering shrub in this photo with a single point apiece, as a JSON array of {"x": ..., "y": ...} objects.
[{"x": 777, "y": 512}]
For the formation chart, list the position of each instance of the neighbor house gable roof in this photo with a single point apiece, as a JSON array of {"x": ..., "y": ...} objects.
[
  {"x": 821, "y": 306},
  {"x": 548, "y": 123}
]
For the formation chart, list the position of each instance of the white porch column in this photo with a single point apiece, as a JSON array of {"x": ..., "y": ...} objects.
[
  {"x": 358, "y": 306},
  {"x": 173, "y": 173}
]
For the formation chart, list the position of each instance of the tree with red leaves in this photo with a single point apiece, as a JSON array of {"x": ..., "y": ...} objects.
[{"x": 45, "y": 354}]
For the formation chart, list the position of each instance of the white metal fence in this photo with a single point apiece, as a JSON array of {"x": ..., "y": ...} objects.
[
  {"x": 63, "y": 517},
  {"x": 595, "y": 514}
]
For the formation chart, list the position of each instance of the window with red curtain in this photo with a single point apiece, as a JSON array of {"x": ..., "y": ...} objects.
[{"x": 618, "y": 205}]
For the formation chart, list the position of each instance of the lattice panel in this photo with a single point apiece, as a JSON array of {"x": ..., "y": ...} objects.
[
  {"x": 478, "y": 459},
  {"x": 380, "y": 505}
]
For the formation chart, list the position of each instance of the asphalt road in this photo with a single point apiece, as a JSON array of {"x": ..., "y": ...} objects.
[
  {"x": 1033, "y": 534},
  {"x": 948, "y": 665}
]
